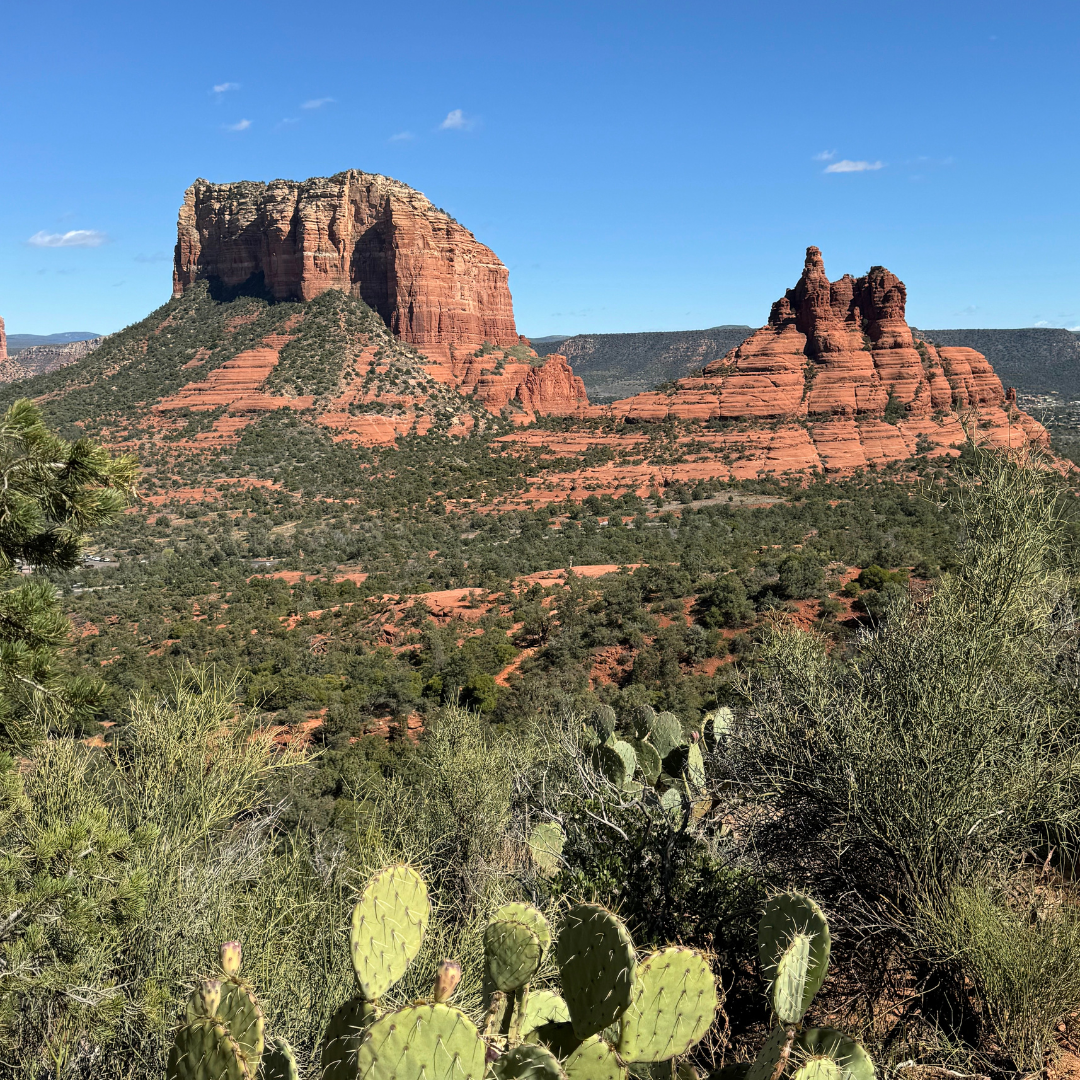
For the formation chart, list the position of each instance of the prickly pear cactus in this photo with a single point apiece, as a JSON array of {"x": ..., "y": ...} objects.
[
  {"x": 617, "y": 761},
  {"x": 788, "y": 991},
  {"x": 447, "y": 977},
  {"x": 546, "y": 847},
  {"x": 818, "y": 1068},
  {"x": 644, "y": 718},
  {"x": 240, "y": 1010},
  {"x": 388, "y": 925},
  {"x": 528, "y": 1062},
  {"x": 543, "y": 1007},
  {"x": 648, "y": 760},
  {"x": 597, "y": 965},
  {"x": 532, "y": 917},
  {"x": 422, "y": 1042},
  {"x": 203, "y": 1049},
  {"x": 603, "y": 720},
  {"x": 673, "y": 1005},
  {"x": 666, "y": 733},
  {"x": 342, "y": 1039},
  {"x": 512, "y": 952},
  {"x": 777, "y": 1046},
  {"x": 793, "y": 925},
  {"x": 717, "y": 726},
  {"x": 826, "y": 1044},
  {"x": 279, "y": 1062},
  {"x": 594, "y": 1059}
]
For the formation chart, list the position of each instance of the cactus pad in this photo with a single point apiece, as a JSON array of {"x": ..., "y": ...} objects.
[
  {"x": 546, "y": 846},
  {"x": 818, "y": 1068},
  {"x": 597, "y": 965},
  {"x": 422, "y": 1042},
  {"x": 718, "y": 725},
  {"x": 695, "y": 766},
  {"x": 853, "y": 1061},
  {"x": 768, "y": 1056},
  {"x": 665, "y": 733},
  {"x": 617, "y": 762},
  {"x": 543, "y": 1007},
  {"x": 527, "y": 1062},
  {"x": 788, "y": 991},
  {"x": 244, "y": 1017},
  {"x": 648, "y": 760},
  {"x": 644, "y": 718},
  {"x": 204, "y": 1050},
  {"x": 672, "y": 802},
  {"x": 513, "y": 954},
  {"x": 388, "y": 925},
  {"x": 532, "y": 917},
  {"x": 786, "y": 916},
  {"x": 594, "y": 1059},
  {"x": 342, "y": 1038},
  {"x": 279, "y": 1062},
  {"x": 673, "y": 1006},
  {"x": 604, "y": 722}
]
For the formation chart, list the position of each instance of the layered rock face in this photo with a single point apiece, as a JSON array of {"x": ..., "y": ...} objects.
[
  {"x": 3, "y": 341},
  {"x": 41, "y": 359},
  {"x": 830, "y": 349},
  {"x": 430, "y": 280}
]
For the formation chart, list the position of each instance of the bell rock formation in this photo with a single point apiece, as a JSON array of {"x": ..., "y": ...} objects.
[
  {"x": 830, "y": 349},
  {"x": 435, "y": 286}
]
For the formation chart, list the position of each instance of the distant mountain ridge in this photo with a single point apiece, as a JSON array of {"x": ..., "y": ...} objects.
[
  {"x": 18, "y": 342},
  {"x": 1034, "y": 359},
  {"x": 620, "y": 365}
]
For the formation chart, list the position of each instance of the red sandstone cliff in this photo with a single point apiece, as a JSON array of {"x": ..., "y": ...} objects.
[
  {"x": 432, "y": 282},
  {"x": 839, "y": 349},
  {"x": 3, "y": 341}
]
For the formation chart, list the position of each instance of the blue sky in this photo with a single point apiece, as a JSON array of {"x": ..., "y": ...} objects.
[{"x": 636, "y": 165}]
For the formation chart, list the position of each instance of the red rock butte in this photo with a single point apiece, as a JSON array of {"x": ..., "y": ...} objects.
[
  {"x": 830, "y": 349},
  {"x": 432, "y": 282},
  {"x": 3, "y": 341}
]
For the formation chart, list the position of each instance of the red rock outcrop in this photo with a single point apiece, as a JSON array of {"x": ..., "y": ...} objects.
[
  {"x": 515, "y": 378},
  {"x": 841, "y": 349},
  {"x": 3, "y": 341},
  {"x": 432, "y": 282}
]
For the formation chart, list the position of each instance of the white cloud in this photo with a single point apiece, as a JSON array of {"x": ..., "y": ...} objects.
[
  {"x": 456, "y": 121},
  {"x": 854, "y": 166},
  {"x": 75, "y": 238},
  {"x": 317, "y": 103},
  {"x": 225, "y": 87},
  {"x": 402, "y": 136},
  {"x": 241, "y": 125},
  {"x": 825, "y": 155}
]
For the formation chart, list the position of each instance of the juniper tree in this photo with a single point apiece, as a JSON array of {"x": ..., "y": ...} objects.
[{"x": 52, "y": 492}]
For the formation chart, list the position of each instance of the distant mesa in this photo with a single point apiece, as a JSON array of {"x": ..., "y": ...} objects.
[
  {"x": 28, "y": 361},
  {"x": 434, "y": 285},
  {"x": 18, "y": 342}
]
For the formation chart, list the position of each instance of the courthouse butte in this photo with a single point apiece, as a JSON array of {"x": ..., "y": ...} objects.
[{"x": 833, "y": 382}]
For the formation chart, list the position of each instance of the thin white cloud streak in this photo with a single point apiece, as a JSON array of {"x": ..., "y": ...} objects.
[
  {"x": 455, "y": 121},
  {"x": 846, "y": 166},
  {"x": 825, "y": 155},
  {"x": 240, "y": 125},
  {"x": 74, "y": 238},
  {"x": 402, "y": 136},
  {"x": 317, "y": 103},
  {"x": 225, "y": 87}
]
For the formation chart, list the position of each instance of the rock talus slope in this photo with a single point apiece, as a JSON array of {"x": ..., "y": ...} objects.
[{"x": 434, "y": 285}]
